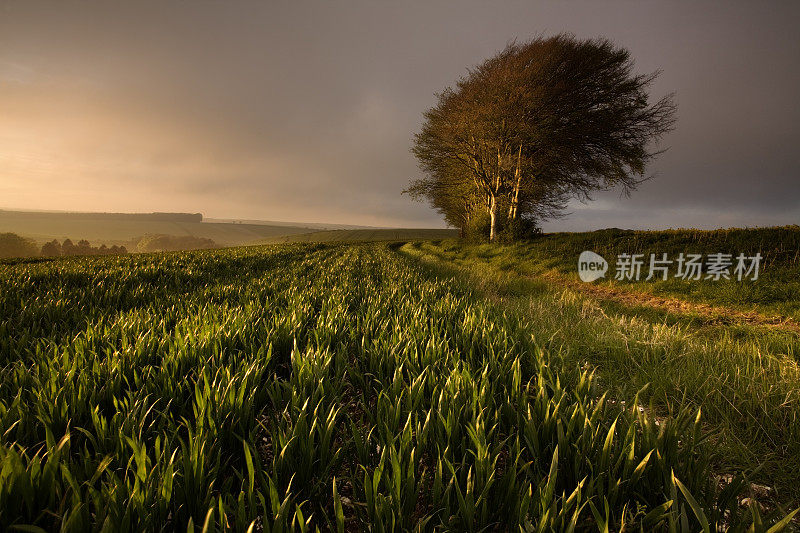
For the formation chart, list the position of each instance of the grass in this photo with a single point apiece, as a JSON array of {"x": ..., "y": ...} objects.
[
  {"x": 746, "y": 378},
  {"x": 777, "y": 291},
  {"x": 339, "y": 387}
]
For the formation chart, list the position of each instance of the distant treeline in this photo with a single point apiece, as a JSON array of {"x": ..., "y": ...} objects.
[
  {"x": 54, "y": 248},
  {"x": 13, "y": 245}
]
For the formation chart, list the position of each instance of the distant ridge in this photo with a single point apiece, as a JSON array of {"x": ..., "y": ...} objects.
[
  {"x": 310, "y": 225},
  {"x": 127, "y": 229},
  {"x": 156, "y": 216}
]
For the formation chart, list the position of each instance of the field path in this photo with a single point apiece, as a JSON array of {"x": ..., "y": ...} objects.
[{"x": 714, "y": 314}]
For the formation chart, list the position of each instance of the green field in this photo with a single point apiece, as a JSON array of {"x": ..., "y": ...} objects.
[{"x": 427, "y": 386}]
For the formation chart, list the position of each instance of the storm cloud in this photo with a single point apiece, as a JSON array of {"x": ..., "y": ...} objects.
[{"x": 306, "y": 111}]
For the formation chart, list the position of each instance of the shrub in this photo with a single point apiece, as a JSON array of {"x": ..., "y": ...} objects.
[{"x": 12, "y": 245}]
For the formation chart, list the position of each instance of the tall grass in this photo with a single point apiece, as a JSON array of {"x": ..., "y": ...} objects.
[
  {"x": 777, "y": 290},
  {"x": 745, "y": 379},
  {"x": 292, "y": 388}
]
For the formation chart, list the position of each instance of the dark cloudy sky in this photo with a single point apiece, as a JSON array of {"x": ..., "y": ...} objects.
[{"x": 304, "y": 111}]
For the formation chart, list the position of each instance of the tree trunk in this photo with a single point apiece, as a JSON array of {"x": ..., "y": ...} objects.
[
  {"x": 492, "y": 218},
  {"x": 512, "y": 209}
]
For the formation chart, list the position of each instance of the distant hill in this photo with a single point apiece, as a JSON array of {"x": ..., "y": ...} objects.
[
  {"x": 316, "y": 226},
  {"x": 394, "y": 234},
  {"x": 153, "y": 217},
  {"x": 127, "y": 228}
]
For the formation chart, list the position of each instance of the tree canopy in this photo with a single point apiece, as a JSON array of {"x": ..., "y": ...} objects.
[
  {"x": 537, "y": 124},
  {"x": 12, "y": 245}
]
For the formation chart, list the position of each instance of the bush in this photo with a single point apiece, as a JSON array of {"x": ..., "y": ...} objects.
[
  {"x": 518, "y": 230},
  {"x": 477, "y": 230},
  {"x": 12, "y": 245}
]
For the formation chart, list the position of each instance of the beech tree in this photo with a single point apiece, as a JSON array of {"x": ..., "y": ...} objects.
[{"x": 537, "y": 124}]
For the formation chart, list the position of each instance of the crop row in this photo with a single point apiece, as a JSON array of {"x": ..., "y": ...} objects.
[{"x": 307, "y": 386}]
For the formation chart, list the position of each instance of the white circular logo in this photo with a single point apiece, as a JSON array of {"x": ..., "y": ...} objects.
[{"x": 591, "y": 266}]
